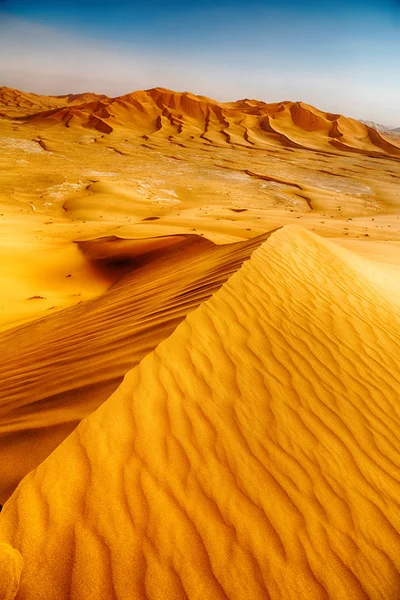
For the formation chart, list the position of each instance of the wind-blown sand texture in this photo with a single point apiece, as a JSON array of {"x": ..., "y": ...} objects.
[
  {"x": 253, "y": 454},
  {"x": 251, "y": 451},
  {"x": 61, "y": 368}
]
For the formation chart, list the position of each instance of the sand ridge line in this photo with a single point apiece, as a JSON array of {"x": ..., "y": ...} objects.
[
  {"x": 253, "y": 437},
  {"x": 60, "y": 368}
]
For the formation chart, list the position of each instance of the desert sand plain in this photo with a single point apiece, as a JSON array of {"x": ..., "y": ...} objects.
[{"x": 200, "y": 350}]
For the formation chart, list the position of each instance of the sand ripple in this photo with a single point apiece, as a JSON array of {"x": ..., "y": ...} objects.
[{"x": 253, "y": 454}]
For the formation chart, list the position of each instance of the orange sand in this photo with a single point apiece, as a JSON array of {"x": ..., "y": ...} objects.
[
  {"x": 253, "y": 454},
  {"x": 251, "y": 450}
]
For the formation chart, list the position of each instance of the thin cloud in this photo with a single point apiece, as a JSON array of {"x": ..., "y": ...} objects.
[{"x": 40, "y": 59}]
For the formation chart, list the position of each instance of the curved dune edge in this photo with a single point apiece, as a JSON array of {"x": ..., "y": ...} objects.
[
  {"x": 57, "y": 370},
  {"x": 112, "y": 249},
  {"x": 253, "y": 454}
]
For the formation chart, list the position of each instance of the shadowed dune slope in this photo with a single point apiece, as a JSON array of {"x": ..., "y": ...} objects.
[
  {"x": 59, "y": 369},
  {"x": 163, "y": 114},
  {"x": 253, "y": 454}
]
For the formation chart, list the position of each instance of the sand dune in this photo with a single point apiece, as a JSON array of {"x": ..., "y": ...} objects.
[
  {"x": 59, "y": 369},
  {"x": 14, "y": 103},
  {"x": 251, "y": 451},
  {"x": 253, "y": 454},
  {"x": 164, "y": 113},
  {"x": 62, "y": 184}
]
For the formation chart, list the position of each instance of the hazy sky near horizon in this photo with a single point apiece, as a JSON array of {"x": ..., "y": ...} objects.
[{"x": 340, "y": 56}]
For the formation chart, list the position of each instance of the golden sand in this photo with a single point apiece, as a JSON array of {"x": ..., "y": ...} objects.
[
  {"x": 251, "y": 450},
  {"x": 253, "y": 454}
]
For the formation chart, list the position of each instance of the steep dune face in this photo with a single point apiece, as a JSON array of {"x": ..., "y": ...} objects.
[
  {"x": 59, "y": 369},
  {"x": 253, "y": 454},
  {"x": 354, "y": 136},
  {"x": 163, "y": 113},
  {"x": 379, "y": 139},
  {"x": 307, "y": 117}
]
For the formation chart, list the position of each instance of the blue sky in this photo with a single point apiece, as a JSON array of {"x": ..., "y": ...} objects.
[{"x": 340, "y": 56}]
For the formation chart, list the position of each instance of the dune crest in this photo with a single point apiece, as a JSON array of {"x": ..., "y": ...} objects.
[
  {"x": 59, "y": 369},
  {"x": 253, "y": 454}
]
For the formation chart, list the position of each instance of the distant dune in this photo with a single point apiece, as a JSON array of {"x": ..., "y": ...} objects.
[
  {"x": 14, "y": 103},
  {"x": 252, "y": 454},
  {"x": 380, "y": 127},
  {"x": 160, "y": 113}
]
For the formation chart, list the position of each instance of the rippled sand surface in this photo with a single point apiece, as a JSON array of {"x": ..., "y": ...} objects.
[{"x": 200, "y": 350}]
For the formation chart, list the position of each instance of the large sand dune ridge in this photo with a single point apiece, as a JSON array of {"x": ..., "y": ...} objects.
[
  {"x": 160, "y": 113},
  {"x": 59, "y": 369},
  {"x": 253, "y": 454}
]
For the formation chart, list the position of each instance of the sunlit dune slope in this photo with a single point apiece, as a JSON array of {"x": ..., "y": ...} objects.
[
  {"x": 252, "y": 455},
  {"x": 56, "y": 370},
  {"x": 160, "y": 113}
]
